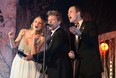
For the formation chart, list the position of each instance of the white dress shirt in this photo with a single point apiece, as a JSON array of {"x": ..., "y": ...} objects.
[{"x": 53, "y": 31}]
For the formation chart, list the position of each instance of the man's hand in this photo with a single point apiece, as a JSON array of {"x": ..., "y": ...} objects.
[
  {"x": 71, "y": 54},
  {"x": 75, "y": 31},
  {"x": 28, "y": 57}
]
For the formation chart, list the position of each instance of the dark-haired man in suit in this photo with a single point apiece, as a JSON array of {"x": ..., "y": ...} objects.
[{"x": 86, "y": 41}]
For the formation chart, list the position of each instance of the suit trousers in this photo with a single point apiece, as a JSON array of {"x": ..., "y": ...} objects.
[{"x": 98, "y": 75}]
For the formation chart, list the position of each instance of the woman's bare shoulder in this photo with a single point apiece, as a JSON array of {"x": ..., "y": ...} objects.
[{"x": 23, "y": 31}]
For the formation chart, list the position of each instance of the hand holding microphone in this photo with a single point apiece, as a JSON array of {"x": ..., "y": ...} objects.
[{"x": 35, "y": 38}]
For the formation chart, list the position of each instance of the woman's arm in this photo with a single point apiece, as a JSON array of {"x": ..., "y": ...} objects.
[{"x": 15, "y": 43}]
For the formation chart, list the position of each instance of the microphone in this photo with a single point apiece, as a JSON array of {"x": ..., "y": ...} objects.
[{"x": 47, "y": 24}]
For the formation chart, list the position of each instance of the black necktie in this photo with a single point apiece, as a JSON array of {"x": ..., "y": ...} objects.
[{"x": 77, "y": 25}]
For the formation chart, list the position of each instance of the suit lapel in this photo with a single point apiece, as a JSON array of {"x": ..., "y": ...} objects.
[
  {"x": 82, "y": 26},
  {"x": 55, "y": 33},
  {"x": 52, "y": 37}
]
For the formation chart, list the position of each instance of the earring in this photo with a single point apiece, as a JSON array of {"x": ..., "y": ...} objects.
[{"x": 31, "y": 26}]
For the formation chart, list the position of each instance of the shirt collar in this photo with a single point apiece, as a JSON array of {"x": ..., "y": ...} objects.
[
  {"x": 80, "y": 23},
  {"x": 54, "y": 30}
]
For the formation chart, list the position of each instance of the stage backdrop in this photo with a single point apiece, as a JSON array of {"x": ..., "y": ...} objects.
[
  {"x": 7, "y": 23},
  {"x": 108, "y": 54}
]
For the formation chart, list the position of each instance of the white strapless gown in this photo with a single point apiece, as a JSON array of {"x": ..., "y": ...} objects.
[{"x": 23, "y": 69}]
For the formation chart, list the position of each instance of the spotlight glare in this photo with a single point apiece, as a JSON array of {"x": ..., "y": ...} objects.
[{"x": 104, "y": 47}]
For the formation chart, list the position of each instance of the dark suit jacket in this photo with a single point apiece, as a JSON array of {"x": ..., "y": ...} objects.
[
  {"x": 88, "y": 50},
  {"x": 57, "y": 60}
]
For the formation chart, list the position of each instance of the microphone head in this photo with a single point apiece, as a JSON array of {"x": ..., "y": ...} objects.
[{"x": 47, "y": 24}]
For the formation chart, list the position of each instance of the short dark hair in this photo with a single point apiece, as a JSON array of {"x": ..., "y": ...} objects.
[
  {"x": 55, "y": 13},
  {"x": 77, "y": 8}
]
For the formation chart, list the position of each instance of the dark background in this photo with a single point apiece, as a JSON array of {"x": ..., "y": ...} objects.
[{"x": 103, "y": 12}]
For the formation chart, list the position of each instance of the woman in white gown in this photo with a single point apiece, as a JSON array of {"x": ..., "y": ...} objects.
[{"x": 29, "y": 42}]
